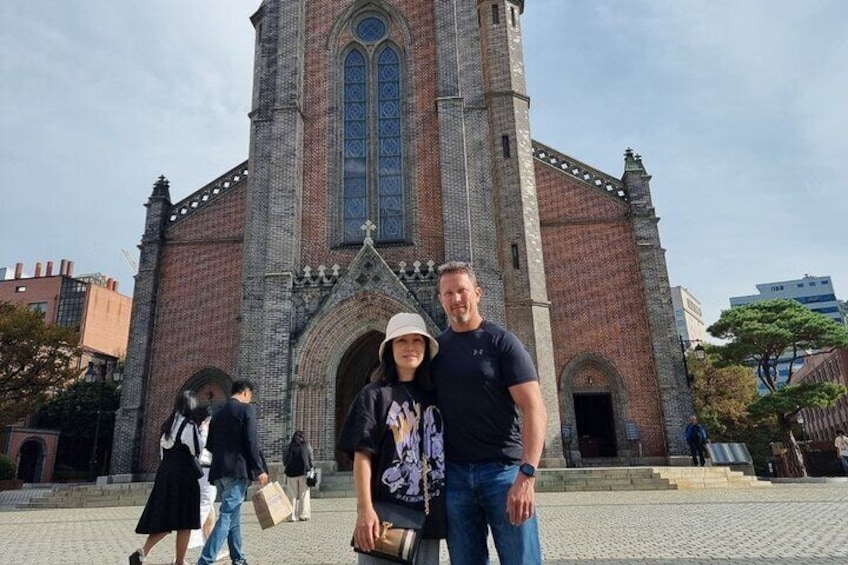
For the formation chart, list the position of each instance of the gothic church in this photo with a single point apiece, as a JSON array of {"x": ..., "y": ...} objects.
[{"x": 387, "y": 137}]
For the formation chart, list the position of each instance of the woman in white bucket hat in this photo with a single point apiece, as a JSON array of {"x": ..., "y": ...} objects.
[{"x": 393, "y": 431}]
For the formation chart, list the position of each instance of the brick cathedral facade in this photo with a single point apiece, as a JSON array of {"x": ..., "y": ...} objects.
[{"x": 413, "y": 116}]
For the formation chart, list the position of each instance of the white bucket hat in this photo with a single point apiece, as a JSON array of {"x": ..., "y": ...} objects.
[{"x": 403, "y": 324}]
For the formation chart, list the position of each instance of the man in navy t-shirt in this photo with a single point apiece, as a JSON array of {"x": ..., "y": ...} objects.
[{"x": 484, "y": 376}]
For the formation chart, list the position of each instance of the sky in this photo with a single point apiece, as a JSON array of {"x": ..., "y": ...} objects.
[{"x": 738, "y": 108}]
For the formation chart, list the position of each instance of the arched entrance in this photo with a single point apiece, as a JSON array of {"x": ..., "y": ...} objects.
[
  {"x": 211, "y": 386},
  {"x": 354, "y": 372},
  {"x": 31, "y": 461},
  {"x": 593, "y": 408},
  {"x": 593, "y": 414}
]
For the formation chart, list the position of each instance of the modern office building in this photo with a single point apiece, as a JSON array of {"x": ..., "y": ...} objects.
[
  {"x": 687, "y": 316},
  {"x": 816, "y": 293}
]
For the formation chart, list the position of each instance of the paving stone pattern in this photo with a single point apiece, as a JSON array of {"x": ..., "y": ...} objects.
[{"x": 783, "y": 525}]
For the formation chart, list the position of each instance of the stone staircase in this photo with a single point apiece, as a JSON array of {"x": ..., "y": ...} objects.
[
  {"x": 92, "y": 496},
  {"x": 336, "y": 485},
  {"x": 691, "y": 478},
  {"x": 340, "y": 485}
]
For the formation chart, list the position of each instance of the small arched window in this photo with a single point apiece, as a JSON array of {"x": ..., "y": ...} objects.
[{"x": 373, "y": 144}]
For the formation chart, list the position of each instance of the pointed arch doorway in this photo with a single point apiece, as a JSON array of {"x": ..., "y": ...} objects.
[{"x": 354, "y": 372}]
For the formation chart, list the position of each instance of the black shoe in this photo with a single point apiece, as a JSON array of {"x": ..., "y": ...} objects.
[{"x": 135, "y": 558}]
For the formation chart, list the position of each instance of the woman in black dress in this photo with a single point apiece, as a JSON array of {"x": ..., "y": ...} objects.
[{"x": 174, "y": 502}]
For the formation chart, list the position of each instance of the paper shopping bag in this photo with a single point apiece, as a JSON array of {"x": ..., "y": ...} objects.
[{"x": 272, "y": 505}]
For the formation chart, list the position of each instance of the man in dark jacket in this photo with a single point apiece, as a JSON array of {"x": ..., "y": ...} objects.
[
  {"x": 236, "y": 460},
  {"x": 696, "y": 437}
]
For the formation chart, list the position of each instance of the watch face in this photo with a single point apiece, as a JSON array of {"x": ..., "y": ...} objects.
[{"x": 528, "y": 469}]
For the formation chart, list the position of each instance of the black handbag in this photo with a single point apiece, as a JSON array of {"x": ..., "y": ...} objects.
[
  {"x": 311, "y": 477},
  {"x": 400, "y": 533}
]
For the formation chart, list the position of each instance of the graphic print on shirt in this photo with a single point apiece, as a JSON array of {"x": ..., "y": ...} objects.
[{"x": 403, "y": 477}]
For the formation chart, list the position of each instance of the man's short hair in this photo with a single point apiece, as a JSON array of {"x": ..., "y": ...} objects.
[
  {"x": 454, "y": 267},
  {"x": 241, "y": 385}
]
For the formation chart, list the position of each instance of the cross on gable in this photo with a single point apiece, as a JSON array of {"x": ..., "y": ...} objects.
[{"x": 368, "y": 227}]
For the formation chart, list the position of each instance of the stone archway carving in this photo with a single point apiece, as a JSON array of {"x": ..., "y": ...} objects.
[
  {"x": 211, "y": 385},
  {"x": 590, "y": 373},
  {"x": 319, "y": 354}
]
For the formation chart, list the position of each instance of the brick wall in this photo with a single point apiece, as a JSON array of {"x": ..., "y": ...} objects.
[
  {"x": 197, "y": 316},
  {"x": 598, "y": 305},
  {"x": 414, "y": 31}
]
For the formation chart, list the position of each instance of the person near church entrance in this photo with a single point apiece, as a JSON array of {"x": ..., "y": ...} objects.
[
  {"x": 174, "y": 502},
  {"x": 393, "y": 431},
  {"x": 298, "y": 460},
  {"x": 208, "y": 492},
  {"x": 841, "y": 444},
  {"x": 484, "y": 376},
  {"x": 236, "y": 459},
  {"x": 697, "y": 438}
]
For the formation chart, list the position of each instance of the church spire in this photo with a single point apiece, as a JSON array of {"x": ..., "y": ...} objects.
[
  {"x": 633, "y": 162},
  {"x": 161, "y": 189}
]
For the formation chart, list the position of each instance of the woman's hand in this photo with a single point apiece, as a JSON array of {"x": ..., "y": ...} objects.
[{"x": 367, "y": 528}]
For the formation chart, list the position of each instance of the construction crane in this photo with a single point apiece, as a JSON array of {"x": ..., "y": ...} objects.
[{"x": 130, "y": 260}]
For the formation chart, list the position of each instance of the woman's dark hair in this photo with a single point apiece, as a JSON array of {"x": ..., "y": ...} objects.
[
  {"x": 298, "y": 438},
  {"x": 386, "y": 372},
  {"x": 184, "y": 405},
  {"x": 200, "y": 413}
]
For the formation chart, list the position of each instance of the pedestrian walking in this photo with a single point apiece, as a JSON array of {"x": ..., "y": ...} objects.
[
  {"x": 236, "y": 460},
  {"x": 697, "y": 439},
  {"x": 841, "y": 444},
  {"x": 298, "y": 461},
  {"x": 174, "y": 502}
]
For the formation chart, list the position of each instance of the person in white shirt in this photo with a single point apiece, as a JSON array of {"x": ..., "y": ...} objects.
[{"x": 841, "y": 443}]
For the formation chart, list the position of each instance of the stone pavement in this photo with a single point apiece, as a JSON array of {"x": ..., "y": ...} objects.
[{"x": 783, "y": 525}]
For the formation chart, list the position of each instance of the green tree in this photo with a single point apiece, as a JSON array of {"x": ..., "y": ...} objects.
[
  {"x": 761, "y": 333},
  {"x": 36, "y": 361},
  {"x": 721, "y": 395},
  {"x": 74, "y": 413}
]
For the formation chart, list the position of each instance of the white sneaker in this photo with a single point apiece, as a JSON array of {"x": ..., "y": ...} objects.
[{"x": 293, "y": 519}]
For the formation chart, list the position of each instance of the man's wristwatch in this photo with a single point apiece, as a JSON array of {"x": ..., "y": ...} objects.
[{"x": 527, "y": 469}]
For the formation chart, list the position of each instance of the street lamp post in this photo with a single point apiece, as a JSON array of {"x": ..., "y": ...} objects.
[
  {"x": 700, "y": 355},
  {"x": 96, "y": 373}
]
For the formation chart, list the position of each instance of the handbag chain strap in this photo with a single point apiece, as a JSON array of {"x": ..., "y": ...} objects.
[{"x": 425, "y": 469}]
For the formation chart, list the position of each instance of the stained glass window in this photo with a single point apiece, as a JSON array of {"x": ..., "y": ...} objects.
[
  {"x": 372, "y": 157},
  {"x": 370, "y": 30},
  {"x": 355, "y": 179},
  {"x": 389, "y": 172}
]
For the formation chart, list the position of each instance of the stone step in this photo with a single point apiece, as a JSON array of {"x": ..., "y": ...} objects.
[
  {"x": 708, "y": 477},
  {"x": 340, "y": 485}
]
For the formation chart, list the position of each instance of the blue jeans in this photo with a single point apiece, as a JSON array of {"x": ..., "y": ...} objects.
[
  {"x": 475, "y": 497},
  {"x": 228, "y": 526}
]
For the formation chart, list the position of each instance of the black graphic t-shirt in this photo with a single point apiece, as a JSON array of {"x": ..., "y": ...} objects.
[{"x": 399, "y": 425}]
